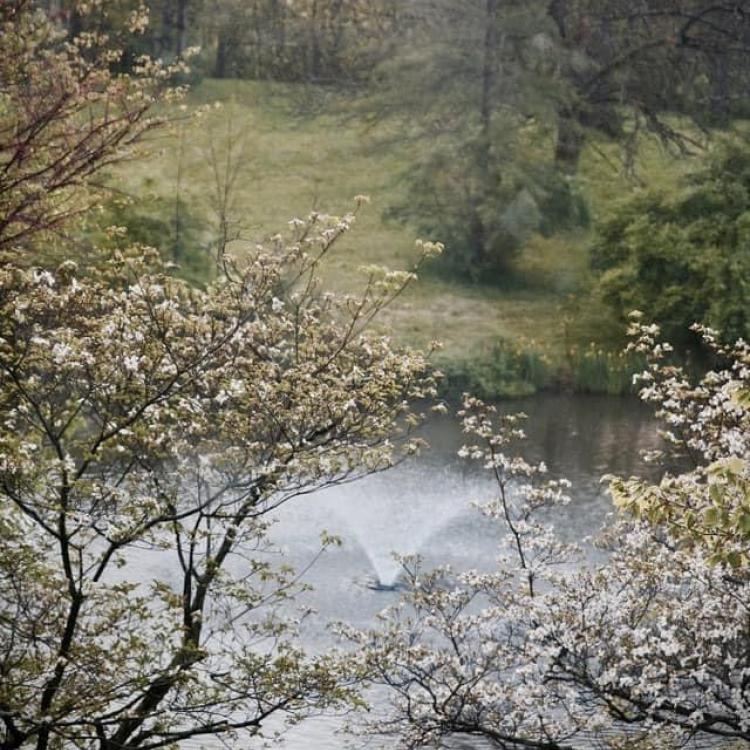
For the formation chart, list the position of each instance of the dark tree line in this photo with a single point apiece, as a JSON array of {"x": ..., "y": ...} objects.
[
  {"x": 479, "y": 85},
  {"x": 658, "y": 54},
  {"x": 322, "y": 41},
  {"x": 491, "y": 80},
  {"x": 687, "y": 56}
]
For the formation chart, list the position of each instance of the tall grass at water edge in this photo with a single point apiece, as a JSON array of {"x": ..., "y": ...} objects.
[{"x": 509, "y": 370}]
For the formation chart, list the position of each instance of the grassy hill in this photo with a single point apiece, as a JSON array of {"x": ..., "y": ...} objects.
[{"x": 286, "y": 164}]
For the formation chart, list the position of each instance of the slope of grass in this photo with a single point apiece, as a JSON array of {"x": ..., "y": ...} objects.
[{"x": 287, "y": 165}]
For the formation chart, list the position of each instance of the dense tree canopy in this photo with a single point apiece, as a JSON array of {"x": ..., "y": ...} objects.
[
  {"x": 503, "y": 98},
  {"x": 318, "y": 41},
  {"x": 683, "y": 256}
]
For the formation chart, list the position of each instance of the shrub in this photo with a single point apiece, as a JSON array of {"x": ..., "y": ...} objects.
[
  {"x": 503, "y": 370},
  {"x": 596, "y": 370},
  {"x": 175, "y": 227},
  {"x": 684, "y": 256}
]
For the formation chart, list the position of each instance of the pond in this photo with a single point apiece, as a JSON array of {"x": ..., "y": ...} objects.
[{"x": 425, "y": 507}]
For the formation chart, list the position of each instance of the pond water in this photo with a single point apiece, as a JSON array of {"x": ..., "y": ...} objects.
[{"x": 424, "y": 507}]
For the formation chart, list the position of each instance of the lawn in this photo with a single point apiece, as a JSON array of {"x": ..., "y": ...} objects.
[{"x": 289, "y": 162}]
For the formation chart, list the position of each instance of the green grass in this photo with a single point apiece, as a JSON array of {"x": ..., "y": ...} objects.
[
  {"x": 595, "y": 370},
  {"x": 292, "y": 164}
]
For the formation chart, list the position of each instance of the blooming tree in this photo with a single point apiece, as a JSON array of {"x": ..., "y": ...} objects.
[
  {"x": 67, "y": 111},
  {"x": 142, "y": 414},
  {"x": 146, "y": 420},
  {"x": 651, "y": 646},
  {"x": 707, "y": 425}
]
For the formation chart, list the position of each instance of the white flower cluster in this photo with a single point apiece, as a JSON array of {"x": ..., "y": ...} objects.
[{"x": 142, "y": 414}]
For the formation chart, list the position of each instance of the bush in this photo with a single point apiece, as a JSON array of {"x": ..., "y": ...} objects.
[
  {"x": 483, "y": 212},
  {"x": 503, "y": 370},
  {"x": 684, "y": 256},
  {"x": 596, "y": 370},
  {"x": 175, "y": 227}
]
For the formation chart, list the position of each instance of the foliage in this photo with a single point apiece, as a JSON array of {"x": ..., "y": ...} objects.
[
  {"x": 503, "y": 97},
  {"x": 684, "y": 257},
  {"x": 631, "y": 66},
  {"x": 503, "y": 370},
  {"x": 596, "y": 370},
  {"x": 65, "y": 114},
  {"x": 320, "y": 41},
  {"x": 709, "y": 424},
  {"x": 648, "y": 647},
  {"x": 175, "y": 228},
  {"x": 480, "y": 102},
  {"x": 508, "y": 370},
  {"x": 486, "y": 211},
  {"x": 140, "y": 413}
]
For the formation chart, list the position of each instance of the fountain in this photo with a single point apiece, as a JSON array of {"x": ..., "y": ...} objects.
[
  {"x": 397, "y": 513},
  {"x": 424, "y": 508},
  {"x": 375, "y": 584}
]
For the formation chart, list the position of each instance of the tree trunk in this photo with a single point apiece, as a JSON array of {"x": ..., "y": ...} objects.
[
  {"x": 182, "y": 27},
  {"x": 478, "y": 231},
  {"x": 720, "y": 90},
  {"x": 569, "y": 144},
  {"x": 75, "y": 24},
  {"x": 257, "y": 61},
  {"x": 558, "y": 11},
  {"x": 478, "y": 239},
  {"x": 165, "y": 38},
  {"x": 279, "y": 36},
  {"x": 222, "y": 46},
  {"x": 315, "y": 51},
  {"x": 53, "y": 9},
  {"x": 337, "y": 37},
  {"x": 489, "y": 66}
]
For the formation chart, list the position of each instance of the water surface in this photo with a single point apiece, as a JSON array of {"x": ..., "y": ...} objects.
[{"x": 424, "y": 507}]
